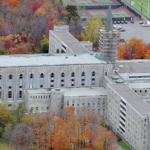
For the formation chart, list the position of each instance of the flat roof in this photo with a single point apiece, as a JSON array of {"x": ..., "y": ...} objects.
[
  {"x": 94, "y": 91},
  {"x": 132, "y": 98},
  {"x": 140, "y": 85},
  {"x": 47, "y": 60},
  {"x": 71, "y": 42},
  {"x": 133, "y": 66},
  {"x": 39, "y": 91}
]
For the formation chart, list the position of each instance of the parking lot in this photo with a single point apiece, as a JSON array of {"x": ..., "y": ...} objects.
[{"x": 135, "y": 30}]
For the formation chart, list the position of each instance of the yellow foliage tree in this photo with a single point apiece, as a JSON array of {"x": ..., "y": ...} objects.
[
  {"x": 40, "y": 11},
  {"x": 45, "y": 40},
  {"x": 90, "y": 32}
]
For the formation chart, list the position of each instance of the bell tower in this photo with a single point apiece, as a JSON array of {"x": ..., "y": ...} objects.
[{"x": 108, "y": 40}]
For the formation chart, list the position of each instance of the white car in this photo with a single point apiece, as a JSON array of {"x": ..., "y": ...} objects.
[{"x": 145, "y": 25}]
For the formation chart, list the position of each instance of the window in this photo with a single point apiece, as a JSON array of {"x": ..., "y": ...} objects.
[
  {"x": 31, "y": 81},
  {"x": 78, "y": 102},
  {"x": 62, "y": 79},
  {"x": 41, "y": 80},
  {"x": 145, "y": 91},
  {"x": 103, "y": 111},
  {"x": 47, "y": 108},
  {"x": 9, "y": 94},
  {"x": 72, "y": 79},
  {"x": 52, "y": 80},
  {"x": 83, "y": 102},
  {"x": 20, "y": 94},
  {"x": 20, "y": 85},
  {"x": 83, "y": 78},
  {"x": 72, "y": 103},
  {"x": 67, "y": 103},
  {"x": 105, "y": 73},
  {"x": 93, "y": 78},
  {"x": 88, "y": 102},
  {"x": 140, "y": 91},
  {"x": 104, "y": 100},
  {"x": 37, "y": 108},
  {"x": 98, "y": 111},
  {"x": 99, "y": 101},
  {"x": 9, "y": 105},
  {"x": 10, "y": 81},
  {"x": 93, "y": 102},
  {"x": 93, "y": 110}
]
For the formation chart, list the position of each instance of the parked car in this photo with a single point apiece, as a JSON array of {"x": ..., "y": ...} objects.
[
  {"x": 126, "y": 22},
  {"x": 145, "y": 25},
  {"x": 141, "y": 23},
  {"x": 122, "y": 22},
  {"x": 132, "y": 22},
  {"x": 118, "y": 22},
  {"x": 122, "y": 30},
  {"x": 115, "y": 22}
]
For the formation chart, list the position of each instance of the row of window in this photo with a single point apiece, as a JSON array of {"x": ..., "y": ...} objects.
[
  {"x": 40, "y": 97},
  {"x": 89, "y": 102},
  {"x": 37, "y": 109},
  {"x": 94, "y": 111}
]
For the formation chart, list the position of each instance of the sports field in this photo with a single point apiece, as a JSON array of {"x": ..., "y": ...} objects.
[{"x": 140, "y": 5}]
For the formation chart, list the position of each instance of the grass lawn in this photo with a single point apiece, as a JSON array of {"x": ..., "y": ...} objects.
[
  {"x": 4, "y": 145},
  {"x": 138, "y": 5},
  {"x": 124, "y": 145}
]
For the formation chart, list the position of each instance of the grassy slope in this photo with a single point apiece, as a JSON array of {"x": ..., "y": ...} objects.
[
  {"x": 4, "y": 145},
  {"x": 124, "y": 145},
  {"x": 138, "y": 5}
]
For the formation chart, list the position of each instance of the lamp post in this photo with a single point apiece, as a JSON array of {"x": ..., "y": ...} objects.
[
  {"x": 130, "y": 2},
  {"x": 148, "y": 10},
  {"x": 141, "y": 7}
]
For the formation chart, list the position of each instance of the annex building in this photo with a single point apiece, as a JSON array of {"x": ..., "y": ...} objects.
[{"x": 72, "y": 75}]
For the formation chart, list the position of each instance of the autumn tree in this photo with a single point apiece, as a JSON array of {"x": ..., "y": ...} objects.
[
  {"x": 90, "y": 32},
  {"x": 19, "y": 113},
  {"x": 21, "y": 137},
  {"x": 5, "y": 118},
  {"x": 73, "y": 13}
]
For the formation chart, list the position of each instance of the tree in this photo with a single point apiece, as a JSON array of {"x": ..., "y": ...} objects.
[
  {"x": 19, "y": 113},
  {"x": 21, "y": 136},
  {"x": 28, "y": 118},
  {"x": 90, "y": 32},
  {"x": 73, "y": 13},
  {"x": 45, "y": 48},
  {"x": 4, "y": 105},
  {"x": 5, "y": 118},
  {"x": 13, "y": 3}
]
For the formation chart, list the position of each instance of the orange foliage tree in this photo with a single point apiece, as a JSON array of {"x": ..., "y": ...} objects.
[
  {"x": 133, "y": 49},
  {"x": 69, "y": 131}
]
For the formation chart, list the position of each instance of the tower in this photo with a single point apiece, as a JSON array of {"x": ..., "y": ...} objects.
[{"x": 108, "y": 39}]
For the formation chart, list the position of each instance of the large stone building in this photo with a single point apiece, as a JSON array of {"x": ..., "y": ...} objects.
[{"x": 72, "y": 75}]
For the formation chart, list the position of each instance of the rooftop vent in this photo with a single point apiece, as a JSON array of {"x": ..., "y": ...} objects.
[
  {"x": 115, "y": 77},
  {"x": 119, "y": 81},
  {"x": 91, "y": 53}
]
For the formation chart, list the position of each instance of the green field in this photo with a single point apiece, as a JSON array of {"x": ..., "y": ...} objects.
[
  {"x": 4, "y": 145},
  {"x": 138, "y": 5},
  {"x": 124, "y": 145}
]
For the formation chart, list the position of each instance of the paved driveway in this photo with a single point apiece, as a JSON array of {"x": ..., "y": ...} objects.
[{"x": 135, "y": 30}]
